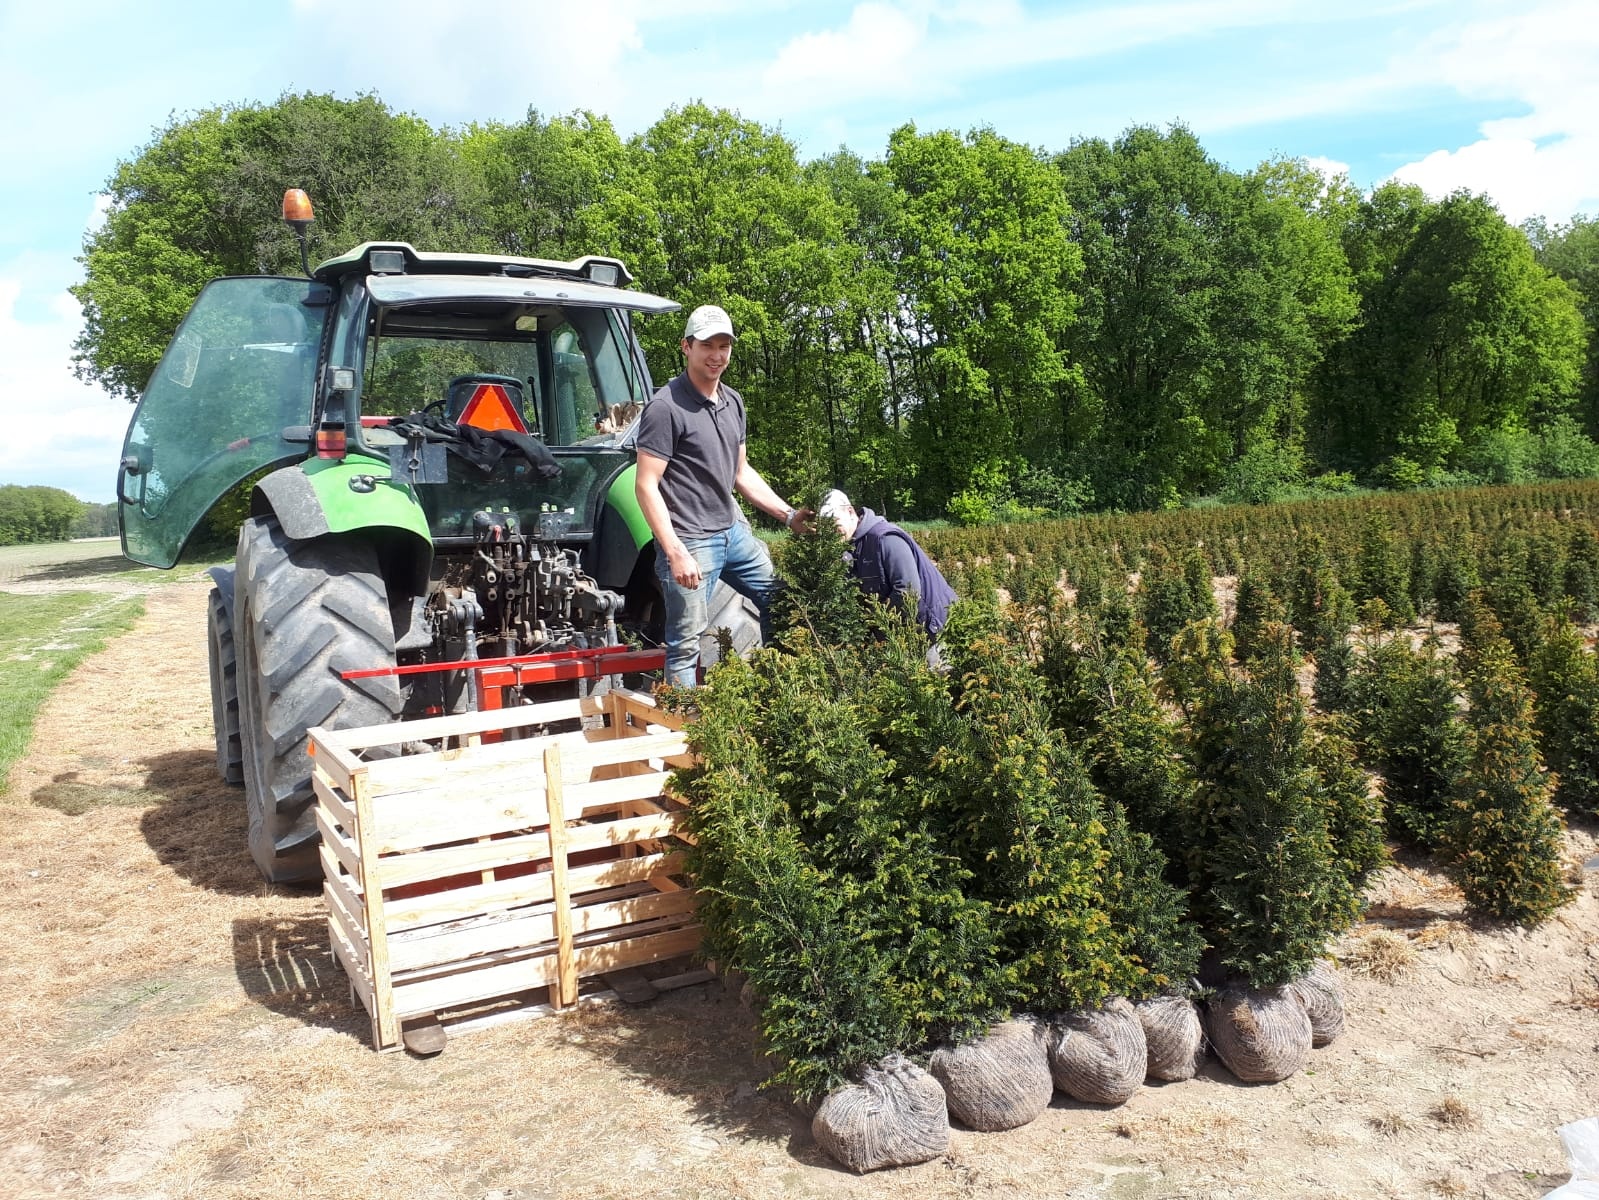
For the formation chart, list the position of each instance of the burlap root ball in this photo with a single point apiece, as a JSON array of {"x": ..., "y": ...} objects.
[
  {"x": 1174, "y": 1035},
  {"x": 893, "y": 1117},
  {"x": 1099, "y": 1055},
  {"x": 998, "y": 1081},
  {"x": 1321, "y": 991},
  {"x": 1262, "y": 1035}
]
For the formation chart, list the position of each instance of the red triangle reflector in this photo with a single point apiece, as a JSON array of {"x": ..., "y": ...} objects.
[{"x": 490, "y": 408}]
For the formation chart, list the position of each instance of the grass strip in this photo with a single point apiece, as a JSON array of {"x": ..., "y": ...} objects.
[{"x": 42, "y": 638}]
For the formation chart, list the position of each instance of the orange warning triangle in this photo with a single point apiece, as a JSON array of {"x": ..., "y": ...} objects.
[{"x": 490, "y": 408}]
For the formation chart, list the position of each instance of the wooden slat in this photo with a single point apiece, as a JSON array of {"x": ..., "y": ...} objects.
[
  {"x": 644, "y": 708},
  {"x": 350, "y": 960},
  {"x": 588, "y": 918},
  {"x": 526, "y": 889},
  {"x": 346, "y": 895},
  {"x": 515, "y": 971},
  {"x": 615, "y": 712},
  {"x": 634, "y": 726},
  {"x": 584, "y": 799},
  {"x": 457, "y": 725},
  {"x": 629, "y": 829},
  {"x": 470, "y": 768},
  {"x": 333, "y": 869},
  {"x": 385, "y": 1024},
  {"x": 343, "y": 848},
  {"x": 531, "y": 929},
  {"x": 502, "y": 765},
  {"x": 478, "y": 980},
  {"x": 639, "y": 869},
  {"x": 329, "y": 796},
  {"x": 332, "y": 759},
  {"x": 564, "y": 991},
  {"x": 397, "y": 870},
  {"x": 636, "y": 952},
  {"x": 417, "y": 819},
  {"x": 639, "y": 929},
  {"x": 486, "y": 720},
  {"x": 686, "y": 979},
  {"x": 349, "y": 924},
  {"x": 578, "y": 761},
  {"x": 474, "y": 936},
  {"x": 418, "y": 911}
]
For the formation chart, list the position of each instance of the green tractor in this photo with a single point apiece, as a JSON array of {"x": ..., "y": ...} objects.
[{"x": 442, "y": 448}]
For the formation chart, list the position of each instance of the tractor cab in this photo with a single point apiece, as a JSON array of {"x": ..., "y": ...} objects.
[{"x": 266, "y": 372}]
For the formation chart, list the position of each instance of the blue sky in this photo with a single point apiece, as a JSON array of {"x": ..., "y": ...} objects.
[{"x": 1501, "y": 98}]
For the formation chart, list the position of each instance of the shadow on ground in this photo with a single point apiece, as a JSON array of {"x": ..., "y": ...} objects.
[
  {"x": 284, "y": 965},
  {"x": 198, "y": 827},
  {"x": 90, "y": 568},
  {"x": 699, "y": 1045},
  {"x": 73, "y": 795}
]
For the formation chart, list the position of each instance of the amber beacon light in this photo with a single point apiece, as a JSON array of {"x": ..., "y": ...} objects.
[
  {"x": 297, "y": 212},
  {"x": 297, "y": 207}
]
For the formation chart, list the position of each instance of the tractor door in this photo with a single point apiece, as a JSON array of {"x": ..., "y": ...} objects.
[{"x": 222, "y": 404}]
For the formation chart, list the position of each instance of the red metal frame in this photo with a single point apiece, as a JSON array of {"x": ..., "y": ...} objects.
[{"x": 495, "y": 675}]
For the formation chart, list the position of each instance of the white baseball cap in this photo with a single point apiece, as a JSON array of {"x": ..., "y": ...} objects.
[
  {"x": 707, "y": 321},
  {"x": 835, "y": 504}
]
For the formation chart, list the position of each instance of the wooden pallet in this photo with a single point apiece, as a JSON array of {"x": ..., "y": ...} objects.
[{"x": 484, "y": 869}]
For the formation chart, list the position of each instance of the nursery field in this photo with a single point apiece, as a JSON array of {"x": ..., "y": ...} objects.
[{"x": 176, "y": 1028}]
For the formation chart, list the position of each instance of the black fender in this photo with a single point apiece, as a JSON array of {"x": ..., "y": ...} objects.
[
  {"x": 405, "y": 555},
  {"x": 222, "y": 576}
]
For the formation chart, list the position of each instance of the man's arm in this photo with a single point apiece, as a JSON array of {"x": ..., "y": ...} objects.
[
  {"x": 754, "y": 488},
  {"x": 647, "y": 487}
]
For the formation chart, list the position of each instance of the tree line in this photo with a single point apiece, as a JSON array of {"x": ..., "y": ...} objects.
[
  {"x": 964, "y": 326},
  {"x": 47, "y": 514}
]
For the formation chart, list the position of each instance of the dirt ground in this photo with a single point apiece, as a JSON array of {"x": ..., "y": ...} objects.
[{"x": 175, "y": 1028}]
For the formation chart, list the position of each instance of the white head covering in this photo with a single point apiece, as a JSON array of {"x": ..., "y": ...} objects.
[
  {"x": 707, "y": 321},
  {"x": 834, "y": 505}
]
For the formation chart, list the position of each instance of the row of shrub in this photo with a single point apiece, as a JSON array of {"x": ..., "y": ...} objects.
[
  {"x": 1421, "y": 552},
  {"x": 1112, "y": 797}
]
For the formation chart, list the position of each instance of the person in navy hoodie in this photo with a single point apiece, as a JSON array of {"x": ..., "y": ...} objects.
[{"x": 888, "y": 564}]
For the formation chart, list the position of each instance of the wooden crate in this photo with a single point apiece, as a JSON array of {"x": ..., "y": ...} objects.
[{"x": 501, "y": 862}]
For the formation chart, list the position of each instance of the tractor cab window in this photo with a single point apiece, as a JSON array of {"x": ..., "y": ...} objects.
[
  {"x": 240, "y": 373},
  {"x": 567, "y": 371},
  {"x": 598, "y": 391}
]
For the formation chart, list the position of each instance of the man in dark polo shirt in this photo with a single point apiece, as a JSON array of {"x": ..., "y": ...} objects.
[{"x": 690, "y": 461}]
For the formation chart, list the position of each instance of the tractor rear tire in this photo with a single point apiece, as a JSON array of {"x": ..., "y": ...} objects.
[
  {"x": 739, "y": 615},
  {"x": 305, "y": 612},
  {"x": 224, "y": 689}
]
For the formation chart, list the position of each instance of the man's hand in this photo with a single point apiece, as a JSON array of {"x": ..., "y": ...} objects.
[
  {"x": 803, "y": 520},
  {"x": 685, "y": 567}
]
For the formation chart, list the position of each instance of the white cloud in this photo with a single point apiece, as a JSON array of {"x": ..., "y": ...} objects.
[
  {"x": 489, "y": 60},
  {"x": 1328, "y": 168},
  {"x": 1545, "y": 58},
  {"x": 64, "y": 433},
  {"x": 1522, "y": 178},
  {"x": 872, "y": 54},
  {"x": 97, "y": 214},
  {"x": 910, "y": 50}
]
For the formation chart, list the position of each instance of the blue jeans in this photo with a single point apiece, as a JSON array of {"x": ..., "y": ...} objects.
[{"x": 735, "y": 555}]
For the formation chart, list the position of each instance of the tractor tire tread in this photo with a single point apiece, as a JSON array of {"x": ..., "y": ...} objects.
[{"x": 310, "y": 610}]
